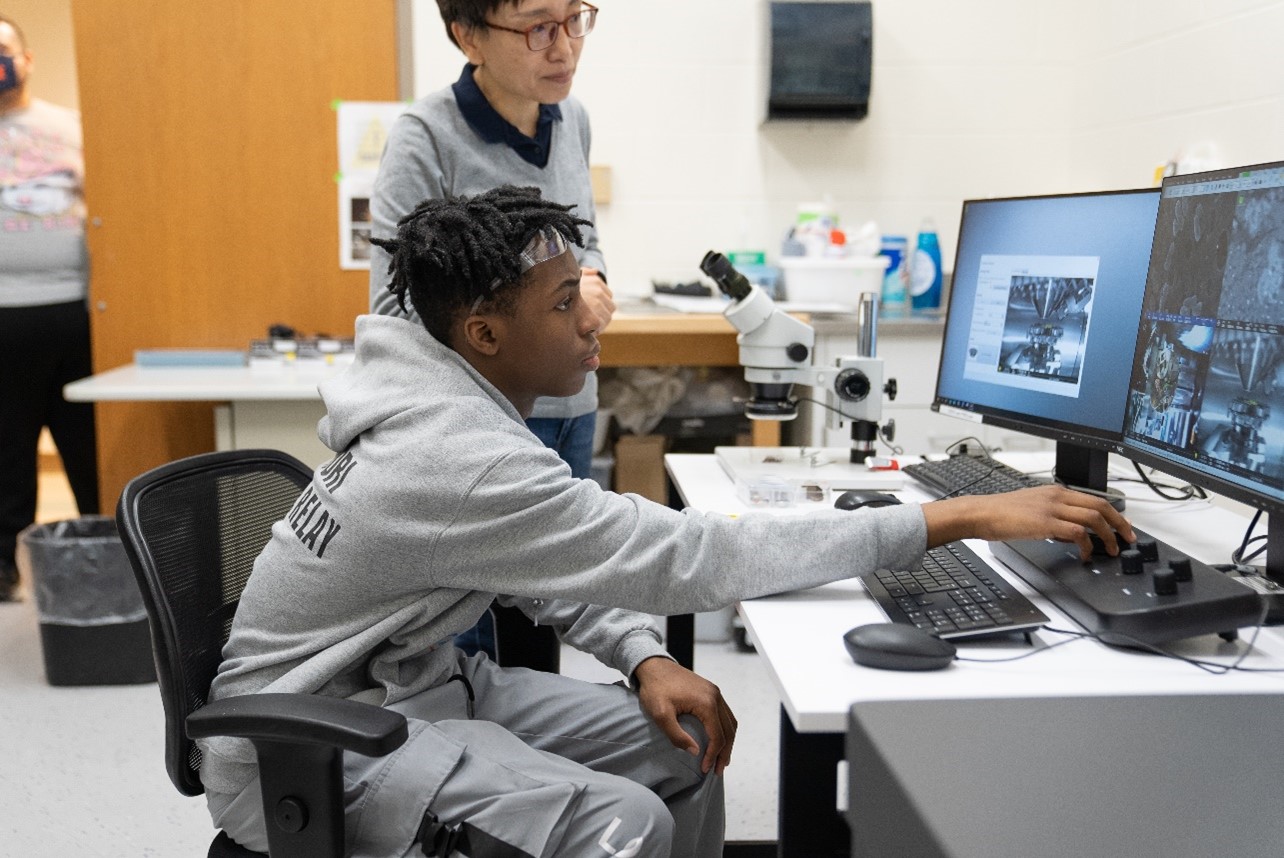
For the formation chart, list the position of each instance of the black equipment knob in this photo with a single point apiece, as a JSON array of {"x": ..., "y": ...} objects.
[
  {"x": 1149, "y": 549},
  {"x": 1181, "y": 568},
  {"x": 796, "y": 352},
  {"x": 1165, "y": 582},
  {"x": 1130, "y": 562},
  {"x": 890, "y": 389}
]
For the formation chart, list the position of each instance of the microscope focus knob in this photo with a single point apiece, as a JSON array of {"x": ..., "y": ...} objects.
[
  {"x": 852, "y": 385},
  {"x": 1181, "y": 568},
  {"x": 1130, "y": 562},
  {"x": 890, "y": 388},
  {"x": 1165, "y": 581},
  {"x": 797, "y": 352}
]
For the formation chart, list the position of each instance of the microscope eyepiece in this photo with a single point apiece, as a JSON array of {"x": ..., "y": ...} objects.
[{"x": 732, "y": 283}]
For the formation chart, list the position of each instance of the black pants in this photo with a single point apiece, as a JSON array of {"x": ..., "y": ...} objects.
[{"x": 41, "y": 349}]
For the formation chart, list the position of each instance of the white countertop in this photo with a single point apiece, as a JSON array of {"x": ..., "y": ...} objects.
[{"x": 202, "y": 384}]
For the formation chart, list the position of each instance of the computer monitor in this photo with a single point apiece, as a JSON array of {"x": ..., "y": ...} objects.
[
  {"x": 1206, "y": 395},
  {"x": 1042, "y": 320}
]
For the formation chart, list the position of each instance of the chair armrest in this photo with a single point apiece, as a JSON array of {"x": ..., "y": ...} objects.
[{"x": 304, "y": 719}]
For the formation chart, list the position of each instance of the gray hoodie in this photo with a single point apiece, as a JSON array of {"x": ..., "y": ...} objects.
[{"x": 440, "y": 498}]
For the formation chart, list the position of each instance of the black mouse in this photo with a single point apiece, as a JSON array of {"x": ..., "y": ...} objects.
[
  {"x": 858, "y": 498},
  {"x": 898, "y": 646}
]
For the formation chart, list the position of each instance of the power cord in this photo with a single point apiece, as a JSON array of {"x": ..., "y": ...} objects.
[
  {"x": 1187, "y": 492},
  {"x": 1213, "y": 667}
]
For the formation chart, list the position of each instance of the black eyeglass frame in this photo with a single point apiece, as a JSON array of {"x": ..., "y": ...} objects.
[{"x": 585, "y": 9}]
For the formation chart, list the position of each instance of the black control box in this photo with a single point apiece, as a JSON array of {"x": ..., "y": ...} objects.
[{"x": 1149, "y": 593}]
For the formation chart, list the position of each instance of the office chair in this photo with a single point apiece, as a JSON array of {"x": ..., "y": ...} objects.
[{"x": 192, "y": 530}]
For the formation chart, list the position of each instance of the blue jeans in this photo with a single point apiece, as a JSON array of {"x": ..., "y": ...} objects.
[{"x": 572, "y": 438}]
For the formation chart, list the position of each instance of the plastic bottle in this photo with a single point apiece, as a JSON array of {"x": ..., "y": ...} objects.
[
  {"x": 925, "y": 272},
  {"x": 895, "y": 248}
]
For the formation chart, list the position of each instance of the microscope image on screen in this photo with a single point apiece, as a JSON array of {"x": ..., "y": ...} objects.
[
  {"x": 1241, "y": 421},
  {"x": 1046, "y": 326},
  {"x": 1253, "y": 287},
  {"x": 1194, "y": 234},
  {"x": 1165, "y": 400}
]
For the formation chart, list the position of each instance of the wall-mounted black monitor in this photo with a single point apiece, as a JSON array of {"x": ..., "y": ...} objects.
[
  {"x": 1042, "y": 319},
  {"x": 1206, "y": 396}
]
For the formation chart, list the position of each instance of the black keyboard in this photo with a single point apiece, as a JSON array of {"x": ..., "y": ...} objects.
[
  {"x": 970, "y": 475},
  {"x": 954, "y": 594}
]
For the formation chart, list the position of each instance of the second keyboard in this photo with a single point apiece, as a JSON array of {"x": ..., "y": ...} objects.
[
  {"x": 954, "y": 594},
  {"x": 970, "y": 475}
]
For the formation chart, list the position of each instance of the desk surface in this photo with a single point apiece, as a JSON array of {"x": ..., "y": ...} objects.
[
  {"x": 201, "y": 384},
  {"x": 634, "y": 339},
  {"x": 800, "y": 634}
]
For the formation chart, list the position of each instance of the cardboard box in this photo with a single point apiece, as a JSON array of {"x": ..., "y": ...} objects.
[{"x": 639, "y": 466}]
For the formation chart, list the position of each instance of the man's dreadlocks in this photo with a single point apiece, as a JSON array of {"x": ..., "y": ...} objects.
[{"x": 448, "y": 253}]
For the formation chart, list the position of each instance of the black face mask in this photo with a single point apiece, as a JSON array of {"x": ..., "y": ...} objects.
[{"x": 8, "y": 74}]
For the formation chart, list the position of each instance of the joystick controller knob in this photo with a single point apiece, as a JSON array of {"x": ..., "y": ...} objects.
[
  {"x": 1130, "y": 562},
  {"x": 1165, "y": 582},
  {"x": 1149, "y": 549},
  {"x": 1181, "y": 568}
]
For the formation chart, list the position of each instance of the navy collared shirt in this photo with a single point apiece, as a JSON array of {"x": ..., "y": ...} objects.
[{"x": 493, "y": 128}]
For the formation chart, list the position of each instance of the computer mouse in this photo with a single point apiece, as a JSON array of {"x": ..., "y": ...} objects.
[
  {"x": 858, "y": 498},
  {"x": 898, "y": 646}
]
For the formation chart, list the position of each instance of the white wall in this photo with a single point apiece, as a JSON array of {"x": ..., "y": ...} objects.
[{"x": 969, "y": 99}]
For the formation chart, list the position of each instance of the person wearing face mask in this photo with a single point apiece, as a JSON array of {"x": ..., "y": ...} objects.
[
  {"x": 44, "y": 318},
  {"x": 508, "y": 119}
]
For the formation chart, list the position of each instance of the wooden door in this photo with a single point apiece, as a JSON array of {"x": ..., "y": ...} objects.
[{"x": 210, "y": 160}]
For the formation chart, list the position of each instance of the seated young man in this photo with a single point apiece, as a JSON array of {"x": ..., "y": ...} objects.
[{"x": 440, "y": 499}]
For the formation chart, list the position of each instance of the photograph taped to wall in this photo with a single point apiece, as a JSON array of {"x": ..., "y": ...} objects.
[
  {"x": 1030, "y": 321},
  {"x": 363, "y": 128}
]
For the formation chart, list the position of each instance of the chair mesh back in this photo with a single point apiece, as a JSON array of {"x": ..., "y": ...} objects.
[{"x": 193, "y": 529}]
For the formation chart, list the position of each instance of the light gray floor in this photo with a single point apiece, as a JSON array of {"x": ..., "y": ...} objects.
[{"x": 82, "y": 769}]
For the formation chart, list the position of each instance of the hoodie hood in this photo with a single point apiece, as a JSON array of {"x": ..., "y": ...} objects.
[{"x": 399, "y": 366}]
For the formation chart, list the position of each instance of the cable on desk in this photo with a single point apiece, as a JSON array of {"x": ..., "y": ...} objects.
[
  {"x": 1188, "y": 491},
  {"x": 1032, "y": 652},
  {"x": 1237, "y": 556},
  {"x": 1213, "y": 667}
]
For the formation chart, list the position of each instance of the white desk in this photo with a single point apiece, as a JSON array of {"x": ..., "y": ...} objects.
[
  {"x": 275, "y": 407},
  {"x": 800, "y": 637}
]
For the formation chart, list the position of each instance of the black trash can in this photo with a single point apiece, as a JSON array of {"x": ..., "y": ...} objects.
[{"x": 93, "y": 626}]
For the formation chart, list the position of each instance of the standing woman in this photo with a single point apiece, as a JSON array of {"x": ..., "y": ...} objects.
[
  {"x": 508, "y": 119},
  {"x": 44, "y": 318}
]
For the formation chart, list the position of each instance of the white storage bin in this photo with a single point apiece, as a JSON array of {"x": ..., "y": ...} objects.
[{"x": 818, "y": 280}]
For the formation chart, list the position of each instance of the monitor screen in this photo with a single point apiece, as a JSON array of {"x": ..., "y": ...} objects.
[
  {"x": 1043, "y": 311},
  {"x": 1204, "y": 399}
]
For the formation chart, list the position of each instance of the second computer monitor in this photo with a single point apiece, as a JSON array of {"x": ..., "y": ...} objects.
[
  {"x": 1207, "y": 393},
  {"x": 1043, "y": 314}
]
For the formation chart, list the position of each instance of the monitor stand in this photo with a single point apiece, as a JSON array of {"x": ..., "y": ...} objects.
[{"x": 1084, "y": 468}]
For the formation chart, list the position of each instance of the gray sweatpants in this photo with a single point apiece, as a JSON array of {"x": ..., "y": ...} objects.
[{"x": 551, "y": 765}]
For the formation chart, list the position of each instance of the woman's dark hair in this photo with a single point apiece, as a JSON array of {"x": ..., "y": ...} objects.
[
  {"x": 449, "y": 253},
  {"x": 470, "y": 13}
]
